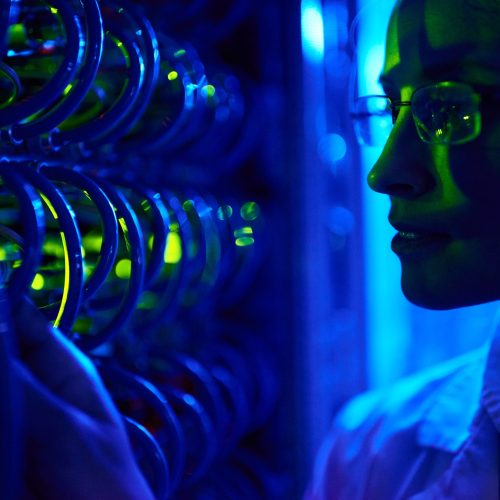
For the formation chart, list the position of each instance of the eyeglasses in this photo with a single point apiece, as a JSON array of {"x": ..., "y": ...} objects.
[{"x": 446, "y": 113}]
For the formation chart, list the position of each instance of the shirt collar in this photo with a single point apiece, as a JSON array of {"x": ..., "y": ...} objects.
[
  {"x": 446, "y": 422},
  {"x": 490, "y": 395}
]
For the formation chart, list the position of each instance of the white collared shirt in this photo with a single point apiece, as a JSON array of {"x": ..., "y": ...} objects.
[{"x": 427, "y": 437}]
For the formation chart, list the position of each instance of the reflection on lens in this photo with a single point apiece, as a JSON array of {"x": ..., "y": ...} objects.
[
  {"x": 447, "y": 113},
  {"x": 372, "y": 118}
]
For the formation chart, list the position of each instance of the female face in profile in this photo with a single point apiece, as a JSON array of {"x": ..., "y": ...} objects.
[{"x": 441, "y": 164}]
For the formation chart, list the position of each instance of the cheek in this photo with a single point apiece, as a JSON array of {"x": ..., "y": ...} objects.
[
  {"x": 468, "y": 271},
  {"x": 475, "y": 169}
]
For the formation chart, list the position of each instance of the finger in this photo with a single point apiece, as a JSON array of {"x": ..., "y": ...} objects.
[{"x": 60, "y": 366}]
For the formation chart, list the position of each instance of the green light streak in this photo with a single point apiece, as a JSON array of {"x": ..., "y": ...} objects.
[
  {"x": 65, "y": 294},
  {"x": 49, "y": 206},
  {"x": 123, "y": 50},
  {"x": 68, "y": 88},
  {"x": 124, "y": 227}
]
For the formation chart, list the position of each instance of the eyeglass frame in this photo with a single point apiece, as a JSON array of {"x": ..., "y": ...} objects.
[{"x": 482, "y": 94}]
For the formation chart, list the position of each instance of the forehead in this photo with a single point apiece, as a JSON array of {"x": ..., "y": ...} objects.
[{"x": 428, "y": 37}]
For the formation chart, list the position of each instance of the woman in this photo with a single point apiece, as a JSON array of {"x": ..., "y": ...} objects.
[{"x": 434, "y": 435}]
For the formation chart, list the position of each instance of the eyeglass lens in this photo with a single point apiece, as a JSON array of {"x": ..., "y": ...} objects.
[{"x": 446, "y": 113}]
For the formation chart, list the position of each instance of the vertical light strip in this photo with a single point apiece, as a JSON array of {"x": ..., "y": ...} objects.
[
  {"x": 313, "y": 36},
  {"x": 388, "y": 322},
  {"x": 311, "y": 237}
]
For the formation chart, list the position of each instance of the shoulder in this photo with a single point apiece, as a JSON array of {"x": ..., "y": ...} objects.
[
  {"x": 430, "y": 408},
  {"x": 432, "y": 395},
  {"x": 412, "y": 397}
]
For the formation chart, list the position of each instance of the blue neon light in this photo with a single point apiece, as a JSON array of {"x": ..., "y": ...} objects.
[
  {"x": 388, "y": 319},
  {"x": 313, "y": 36}
]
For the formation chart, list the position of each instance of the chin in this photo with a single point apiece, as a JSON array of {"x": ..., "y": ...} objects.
[
  {"x": 433, "y": 301},
  {"x": 443, "y": 299}
]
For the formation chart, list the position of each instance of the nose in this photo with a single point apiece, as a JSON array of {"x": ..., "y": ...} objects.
[{"x": 405, "y": 167}]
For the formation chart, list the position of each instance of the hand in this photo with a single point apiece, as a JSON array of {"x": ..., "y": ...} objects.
[{"x": 75, "y": 440}]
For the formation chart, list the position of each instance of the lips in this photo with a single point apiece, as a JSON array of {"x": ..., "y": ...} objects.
[{"x": 417, "y": 240}]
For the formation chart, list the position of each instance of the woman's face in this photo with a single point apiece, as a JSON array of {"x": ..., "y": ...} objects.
[{"x": 447, "y": 196}]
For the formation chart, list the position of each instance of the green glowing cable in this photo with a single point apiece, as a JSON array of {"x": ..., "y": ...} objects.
[{"x": 65, "y": 294}]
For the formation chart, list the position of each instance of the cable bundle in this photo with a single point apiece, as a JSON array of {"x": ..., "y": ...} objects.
[{"x": 109, "y": 132}]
